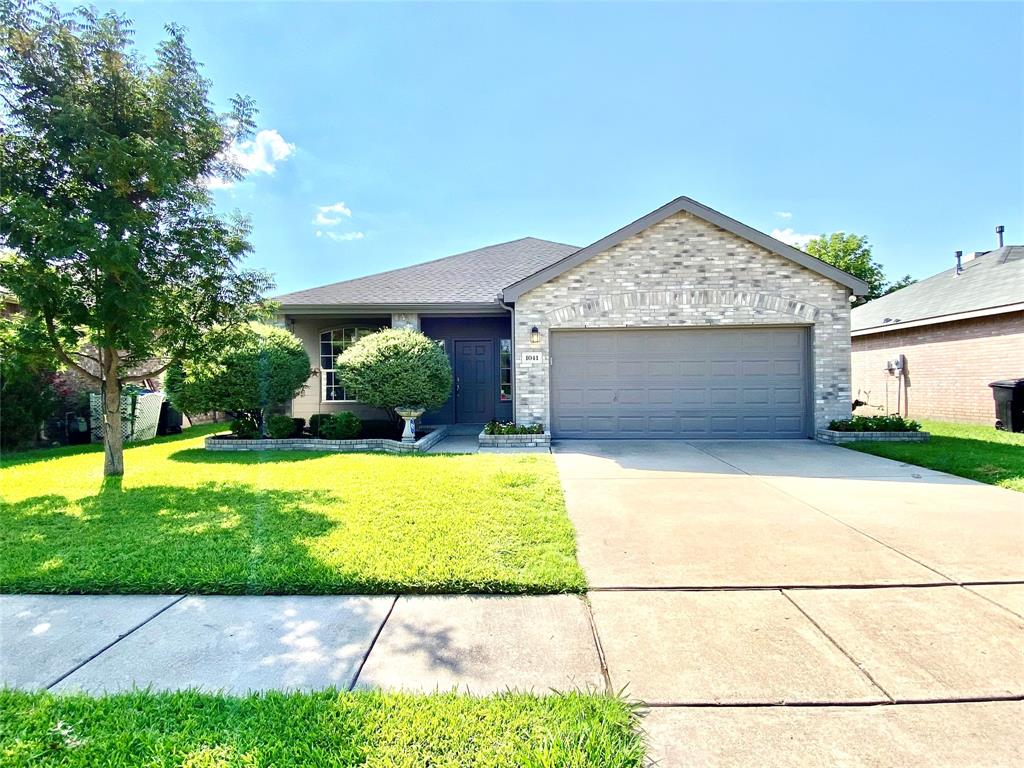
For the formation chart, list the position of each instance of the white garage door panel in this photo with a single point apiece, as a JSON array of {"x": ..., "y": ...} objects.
[{"x": 680, "y": 383}]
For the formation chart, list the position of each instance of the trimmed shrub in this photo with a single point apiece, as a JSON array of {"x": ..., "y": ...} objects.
[
  {"x": 27, "y": 400},
  {"x": 280, "y": 427},
  {"x": 396, "y": 368},
  {"x": 340, "y": 426},
  {"x": 315, "y": 421},
  {"x": 248, "y": 370},
  {"x": 511, "y": 428},
  {"x": 892, "y": 423},
  {"x": 245, "y": 428}
]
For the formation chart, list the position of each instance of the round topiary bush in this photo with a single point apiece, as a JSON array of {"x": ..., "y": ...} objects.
[
  {"x": 248, "y": 370},
  {"x": 396, "y": 368}
]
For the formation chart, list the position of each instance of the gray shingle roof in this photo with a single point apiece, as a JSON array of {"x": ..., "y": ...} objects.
[
  {"x": 994, "y": 279},
  {"x": 473, "y": 277}
]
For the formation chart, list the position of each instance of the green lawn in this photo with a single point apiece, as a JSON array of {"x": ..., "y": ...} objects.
[
  {"x": 320, "y": 729},
  {"x": 187, "y": 520},
  {"x": 969, "y": 450}
]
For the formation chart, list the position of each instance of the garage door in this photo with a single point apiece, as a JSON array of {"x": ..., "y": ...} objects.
[{"x": 680, "y": 383}]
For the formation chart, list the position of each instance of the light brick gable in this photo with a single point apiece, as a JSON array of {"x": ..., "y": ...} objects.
[
  {"x": 949, "y": 367},
  {"x": 686, "y": 272}
]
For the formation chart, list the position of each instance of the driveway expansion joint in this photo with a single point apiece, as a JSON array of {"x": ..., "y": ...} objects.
[
  {"x": 829, "y": 704},
  {"x": 114, "y": 642},
  {"x": 834, "y": 642},
  {"x": 795, "y": 587},
  {"x": 602, "y": 660}
]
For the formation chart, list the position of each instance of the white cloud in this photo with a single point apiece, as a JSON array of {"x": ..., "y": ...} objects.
[
  {"x": 784, "y": 214},
  {"x": 329, "y": 215},
  {"x": 212, "y": 182},
  {"x": 796, "y": 239},
  {"x": 340, "y": 237},
  {"x": 260, "y": 154}
]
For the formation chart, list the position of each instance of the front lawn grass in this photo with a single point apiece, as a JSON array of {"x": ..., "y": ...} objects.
[
  {"x": 975, "y": 451},
  {"x": 187, "y": 520},
  {"x": 317, "y": 729}
]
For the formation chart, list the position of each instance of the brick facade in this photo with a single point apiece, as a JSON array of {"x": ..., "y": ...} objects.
[
  {"x": 949, "y": 367},
  {"x": 684, "y": 271}
]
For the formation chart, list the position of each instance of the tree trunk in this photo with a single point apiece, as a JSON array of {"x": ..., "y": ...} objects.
[{"x": 113, "y": 442}]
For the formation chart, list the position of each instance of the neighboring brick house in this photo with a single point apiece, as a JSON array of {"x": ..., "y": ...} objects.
[
  {"x": 685, "y": 323},
  {"x": 956, "y": 331}
]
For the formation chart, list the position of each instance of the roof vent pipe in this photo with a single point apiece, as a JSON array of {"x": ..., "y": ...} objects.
[
  {"x": 959, "y": 266},
  {"x": 999, "y": 233}
]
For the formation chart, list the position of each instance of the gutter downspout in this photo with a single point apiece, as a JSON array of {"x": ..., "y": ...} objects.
[{"x": 512, "y": 312}]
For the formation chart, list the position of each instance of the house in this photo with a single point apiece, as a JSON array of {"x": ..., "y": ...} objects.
[
  {"x": 953, "y": 334},
  {"x": 685, "y": 323}
]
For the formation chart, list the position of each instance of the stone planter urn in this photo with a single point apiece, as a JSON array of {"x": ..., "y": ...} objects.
[{"x": 410, "y": 415}]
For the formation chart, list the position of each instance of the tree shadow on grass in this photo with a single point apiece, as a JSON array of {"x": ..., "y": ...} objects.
[{"x": 211, "y": 539}]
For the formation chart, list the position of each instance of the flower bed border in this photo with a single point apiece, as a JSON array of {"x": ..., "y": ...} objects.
[
  {"x": 536, "y": 440},
  {"x": 837, "y": 437},
  {"x": 376, "y": 444}
]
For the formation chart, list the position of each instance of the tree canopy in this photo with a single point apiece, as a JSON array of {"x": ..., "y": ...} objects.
[
  {"x": 115, "y": 246},
  {"x": 249, "y": 370},
  {"x": 852, "y": 253}
]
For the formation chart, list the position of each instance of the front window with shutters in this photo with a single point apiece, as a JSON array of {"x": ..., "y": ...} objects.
[{"x": 332, "y": 344}]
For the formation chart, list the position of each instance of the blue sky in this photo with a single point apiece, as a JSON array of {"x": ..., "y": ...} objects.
[{"x": 442, "y": 128}]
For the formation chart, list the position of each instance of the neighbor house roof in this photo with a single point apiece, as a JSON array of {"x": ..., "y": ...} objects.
[
  {"x": 990, "y": 283},
  {"x": 470, "y": 278},
  {"x": 701, "y": 211}
]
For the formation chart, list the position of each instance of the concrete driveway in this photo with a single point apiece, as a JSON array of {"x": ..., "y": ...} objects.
[{"x": 733, "y": 580}]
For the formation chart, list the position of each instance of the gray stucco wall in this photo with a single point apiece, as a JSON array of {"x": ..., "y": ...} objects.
[{"x": 684, "y": 271}]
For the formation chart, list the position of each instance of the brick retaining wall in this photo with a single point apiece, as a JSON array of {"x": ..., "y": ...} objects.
[
  {"x": 835, "y": 437},
  {"x": 380, "y": 445},
  {"x": 515, "y": 441}
]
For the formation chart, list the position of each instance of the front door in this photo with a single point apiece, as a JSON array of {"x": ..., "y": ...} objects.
[{"x": 474, "y": 382}]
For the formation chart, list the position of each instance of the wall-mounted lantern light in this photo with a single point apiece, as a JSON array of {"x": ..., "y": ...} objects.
[{"x": 535, "y": 335}]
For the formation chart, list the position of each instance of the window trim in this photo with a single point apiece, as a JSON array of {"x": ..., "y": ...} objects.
[
  {"x": 503, "y": 368},
  {"x": 333, "y": 369}
]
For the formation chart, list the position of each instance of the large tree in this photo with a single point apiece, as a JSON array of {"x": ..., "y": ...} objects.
[
  {"x": 852, "y": 253},
  {"x": 106, "y": 158}
]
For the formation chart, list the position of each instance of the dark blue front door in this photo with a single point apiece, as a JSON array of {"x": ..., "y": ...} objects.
[{"x": 474, "y": 382}]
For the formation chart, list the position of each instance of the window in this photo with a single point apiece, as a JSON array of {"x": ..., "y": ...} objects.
[
  {"x": 332, "y": 344},
  {"x": 505, "y": 370}
]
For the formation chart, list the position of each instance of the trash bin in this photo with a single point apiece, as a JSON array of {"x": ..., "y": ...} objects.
[
  {"x": 170, "y": 420},
  {"x": 1009, "y": 397}
]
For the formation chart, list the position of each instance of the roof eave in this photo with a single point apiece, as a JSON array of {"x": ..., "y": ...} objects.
[
  {"x": 937, "y": 319},
  {"x": 453, "y": 307},
  {"x": 857, "y": 286}
]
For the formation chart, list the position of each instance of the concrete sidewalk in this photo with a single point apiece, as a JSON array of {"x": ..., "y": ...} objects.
[
  {"x": 477, "y": 644},
  {"x": 711, "y": 664},
  {"x": 672, "y": 647}
]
